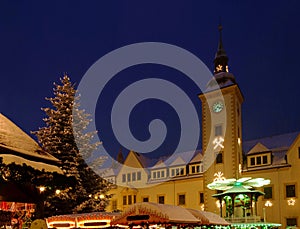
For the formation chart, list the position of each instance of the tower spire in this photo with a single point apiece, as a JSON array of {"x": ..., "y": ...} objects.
[{"x": 221, "y": 59}]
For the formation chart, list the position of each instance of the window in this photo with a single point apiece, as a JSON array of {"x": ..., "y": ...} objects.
[
  {"x": 134, "y": 199},
  {"x": 129, "y": 200},
  {"x": 133, "y": 177},
  {"x": 162, "y": 173},
  {"x": 218, "y": 130},
  {"x": 299, "y": 152},
  {"x": 265, "y": 159},
  {"x": 291, "y": 221},
  {"x": 145, "y": 199},
  {"x": 219, "y": 158},
  {"x": 173, "y": 172},
  {"x": 258, "y": 160},
  {"x": 290, "y": 190},
  {"x": 114, "y": 205},
  {"x": 161, "y": 199},
  {"x": 123, "y": 178},
  {"x": 158, "y": 174},
  {"x": 154, "y": 175},
  {"x": 181, "y": 199},
  {"x": 139, "y": 175},
  {"x": 201, "y": 197},
  {"x": 124, "y": 200},
  {"x": 268, "y": 193}
]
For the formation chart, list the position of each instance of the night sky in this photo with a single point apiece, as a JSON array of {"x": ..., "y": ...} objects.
[{"x": 42, "y": 40}]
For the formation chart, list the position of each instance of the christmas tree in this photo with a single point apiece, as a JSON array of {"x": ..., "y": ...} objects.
[{"x": 65, "y": 138}]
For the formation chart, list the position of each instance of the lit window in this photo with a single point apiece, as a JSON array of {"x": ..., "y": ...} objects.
[
  {"x": 290, "y": 190},
  {"x": 123, "y": 178},
  {"x": 114, "y": 205},
  {"x": 181, "y": 199}
]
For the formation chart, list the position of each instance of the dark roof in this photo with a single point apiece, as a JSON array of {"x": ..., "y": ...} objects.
[{"x": 275, "y": 143}]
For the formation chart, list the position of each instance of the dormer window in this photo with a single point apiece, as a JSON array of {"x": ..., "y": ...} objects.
[
  {"x": 259, "y": 159},
  {"x": 158, "y": 174}
]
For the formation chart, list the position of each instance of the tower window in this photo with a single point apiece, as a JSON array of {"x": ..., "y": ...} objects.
[
  {"x": 219, "y": 158},
  {"x": 218, "y": 130}
]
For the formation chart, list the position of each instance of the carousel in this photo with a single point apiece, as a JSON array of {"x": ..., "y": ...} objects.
[
  {"x": 18, "y": 201},
  {"x": 153, "y": 215},
  {"x": 238, "y": 201}
]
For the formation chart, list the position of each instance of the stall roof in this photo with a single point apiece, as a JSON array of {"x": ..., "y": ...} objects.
[{"x": 154, "y": 213}]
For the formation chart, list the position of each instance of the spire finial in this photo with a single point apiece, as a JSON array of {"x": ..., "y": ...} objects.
[{"x": 221, "y": 58}]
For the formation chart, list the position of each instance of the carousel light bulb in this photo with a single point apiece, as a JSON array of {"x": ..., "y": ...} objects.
[{"x": 42, "y": 189}]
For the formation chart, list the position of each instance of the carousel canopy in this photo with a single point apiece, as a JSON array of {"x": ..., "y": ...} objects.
[
  {"x": 238, "y": 190},
  {"x": 19, "y": 148},
  {"x": 154, "y": 213}
]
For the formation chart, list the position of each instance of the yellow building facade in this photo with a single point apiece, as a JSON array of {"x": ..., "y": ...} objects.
[{"x": 182, "y": 179}]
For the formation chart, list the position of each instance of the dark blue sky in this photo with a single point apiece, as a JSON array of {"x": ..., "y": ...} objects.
[{"x": 41, "y": 40}]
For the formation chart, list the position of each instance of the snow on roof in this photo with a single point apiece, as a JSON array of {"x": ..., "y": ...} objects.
[
  {"x": 18, "y": 147},
  {"x": 208, "y": 218},
  {"x": 273, "y": 142},
  {"x": 258, "y": 148},
  {"x": 15, "y": 139},
  {"x": 157, "y": 213}
]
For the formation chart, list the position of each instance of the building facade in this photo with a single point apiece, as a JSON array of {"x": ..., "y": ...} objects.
[{"x": 182, "y": 179}]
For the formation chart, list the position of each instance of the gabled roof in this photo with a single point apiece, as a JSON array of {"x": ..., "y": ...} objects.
[
  {"x": 160, "y": 164},
  {"x": 258, "y": 148},
  {"x": 198, "y": 157},
  {"x": 278, "y": 142},
  {"x": 18, "y": 147}
]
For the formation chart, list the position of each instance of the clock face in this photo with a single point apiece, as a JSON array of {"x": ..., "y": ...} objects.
[{"x": 218, "y": 106}]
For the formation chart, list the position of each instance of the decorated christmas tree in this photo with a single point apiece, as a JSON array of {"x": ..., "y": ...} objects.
[{"x": 65, "y": 136}]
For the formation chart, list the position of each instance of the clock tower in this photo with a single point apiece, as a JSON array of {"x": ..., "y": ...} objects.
[{"x": 221, "y": 126}]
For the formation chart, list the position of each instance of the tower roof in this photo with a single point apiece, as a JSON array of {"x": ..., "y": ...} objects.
[{"x": 222, "y": 76}]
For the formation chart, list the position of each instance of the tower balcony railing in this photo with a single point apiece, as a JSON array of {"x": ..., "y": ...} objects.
[{"x": 247, "y": 219}]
